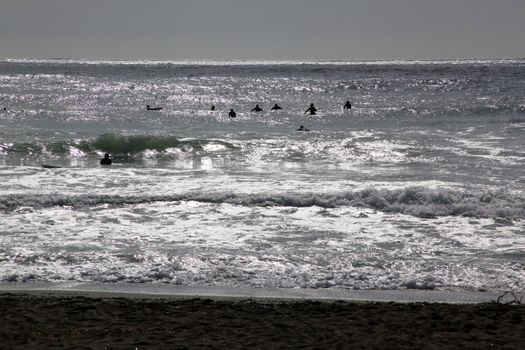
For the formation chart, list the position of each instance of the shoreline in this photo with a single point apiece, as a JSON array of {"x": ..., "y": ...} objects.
[{"x": 150, "y": 291}]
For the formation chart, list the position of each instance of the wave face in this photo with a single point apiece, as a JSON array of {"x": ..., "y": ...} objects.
[
  {"x": 112, "y": 143},
  {"x": 135, "y": 144},
  {"x": 416, "y": 201}
]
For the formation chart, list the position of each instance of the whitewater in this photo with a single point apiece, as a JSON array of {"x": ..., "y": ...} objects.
[{"x": 418, "y": 186}]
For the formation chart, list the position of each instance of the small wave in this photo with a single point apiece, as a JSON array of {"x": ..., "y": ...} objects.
[
  {"x": 453, "y": 110},
  {"x": 496, "y": 109},
  {"x": 415, "y": 201}
]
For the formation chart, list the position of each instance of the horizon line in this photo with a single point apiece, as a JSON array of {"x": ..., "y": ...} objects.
[{"x": 258, "y": 61}]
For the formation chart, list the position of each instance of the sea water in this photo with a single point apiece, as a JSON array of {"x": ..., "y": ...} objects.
[{"x": 419, "y": 186}]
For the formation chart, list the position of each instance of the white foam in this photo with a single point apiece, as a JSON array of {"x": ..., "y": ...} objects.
[{"x": 417, "y": 201}]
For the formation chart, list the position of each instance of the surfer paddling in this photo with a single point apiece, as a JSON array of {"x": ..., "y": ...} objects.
[
  {"x": 149, "y": 108},
  {"x": 302, "y": 128}
]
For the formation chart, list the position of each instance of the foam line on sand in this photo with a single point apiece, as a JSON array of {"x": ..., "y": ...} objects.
[{"x": 168, "y": 291}]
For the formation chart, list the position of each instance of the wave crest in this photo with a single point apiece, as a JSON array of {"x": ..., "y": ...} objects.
[{"x": 415, "y": 201}]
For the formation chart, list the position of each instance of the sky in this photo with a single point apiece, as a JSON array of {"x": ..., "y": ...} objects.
[{"x": 262, "y": 29}]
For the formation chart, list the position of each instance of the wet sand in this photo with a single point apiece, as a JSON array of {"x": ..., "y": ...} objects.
[{"x": 75, "y": 321}]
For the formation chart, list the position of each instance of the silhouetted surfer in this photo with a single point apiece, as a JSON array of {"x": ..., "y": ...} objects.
[
  {"x": 256, "y": 109},
  {"x": 276, "y": 107},
  {"x": 106, "y": 160},
  {"x": 302, "y": 128},
  {"x": 149, "y": 108},
  {"x": 212, "y": 108},
  {"x": 311, "y": 109},
  {"x": 232, "y": 114},
  {"x": 347, "y": 105}
]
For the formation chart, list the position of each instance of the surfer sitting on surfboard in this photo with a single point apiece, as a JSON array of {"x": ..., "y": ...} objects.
[
  {"x": 311, "y": 109},
  {"x": 106, "y": 160}
]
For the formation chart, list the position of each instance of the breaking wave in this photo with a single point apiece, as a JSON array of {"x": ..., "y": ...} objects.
[
  {"x": 112, "y": 143},
  {"x": 415, "y": 201},
  {"x": 134, "y": 144}
]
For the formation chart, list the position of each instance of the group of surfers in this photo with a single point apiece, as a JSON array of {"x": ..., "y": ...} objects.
[{"x": 311, "y": 110}]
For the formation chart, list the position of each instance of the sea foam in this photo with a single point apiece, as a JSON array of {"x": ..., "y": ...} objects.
[{"x": 416, "y": 201}]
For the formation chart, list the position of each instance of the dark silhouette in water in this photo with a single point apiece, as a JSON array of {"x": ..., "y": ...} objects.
[
  {"x": 311, "y": 109},
  {"x": 232, "y": 114},
  {"x": 106, "y": 160},
  {"x": 212, "y": 108},
  {"x": 302, "y": 128},
  {"x": 276, "y": 107},
  {"x": 149, "y": 108},
  {"x": 257, "y": 109},
  {"x": 347, "y": 105}
]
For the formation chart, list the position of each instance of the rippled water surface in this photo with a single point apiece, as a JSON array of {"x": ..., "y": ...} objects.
[{"x": 419, "y": 185}]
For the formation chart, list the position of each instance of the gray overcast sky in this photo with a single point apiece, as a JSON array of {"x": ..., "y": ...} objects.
[{"x": 262, "y": 29}]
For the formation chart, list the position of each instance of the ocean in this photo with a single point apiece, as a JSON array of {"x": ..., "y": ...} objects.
[{"x": 420, "y": 185}]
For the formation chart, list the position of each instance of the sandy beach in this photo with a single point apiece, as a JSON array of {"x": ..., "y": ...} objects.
[{"x": 96, "y": 321}]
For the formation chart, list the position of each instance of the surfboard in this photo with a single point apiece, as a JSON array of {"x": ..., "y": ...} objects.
[{"x": 47, "y": 166}]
